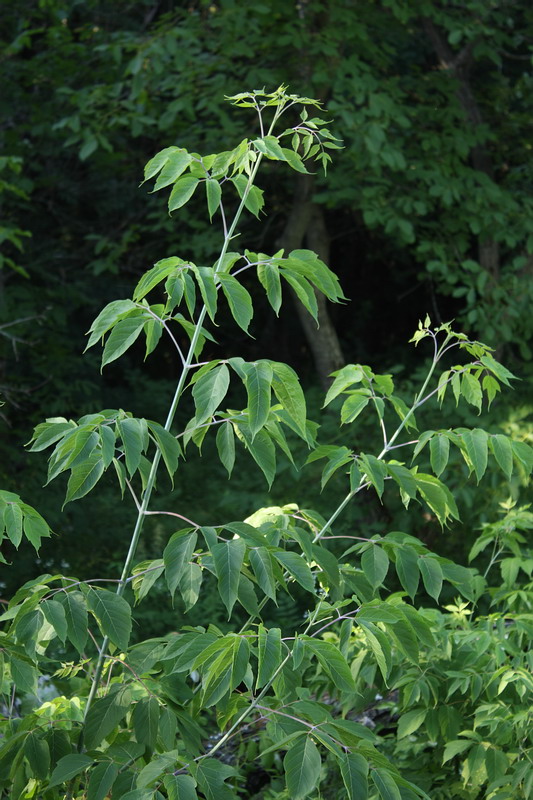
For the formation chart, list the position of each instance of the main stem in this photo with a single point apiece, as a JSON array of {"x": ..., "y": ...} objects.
[{"x": 189, "y": 360}]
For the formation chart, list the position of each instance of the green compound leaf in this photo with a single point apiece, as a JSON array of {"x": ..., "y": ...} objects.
[
  {"x": 68, "y": 767},
  {"x": 182, "y": 192},
  {"x": 113, "y": 615},
  {"x": 177, "y": 555},
  {"x": 214, "y": 196},
  {"x": 302, "y": 766},
  {"x": 76, "y": 616},
  {"x": 333, "y": 663},
  {"x": 225, "y": 441},
  {"x": 476, "y": 446},
  {"x": 432, "y": 577},
  {"x": 297, "y": 567},
  {"x": 439, "y": 447},
  {"x": 268, "y": 275},
  {"x": 375, "y": 565},
  {"x": 132, "y": 432},
  {"x": 238, "y": 298},
  {"x": 385, "y": 784},
  {"x": 503, "y": 453},
  {"x": 209, "y": 391},
  {"x": 102, "y": 778},
  {"x": 290, "y": 394},
  {"x": 354, "y": 771},
  {"x": 84, "y": 477},
  {"x": 269, "y": 654},
  {"x": 121, "y": 338},
  {"x": 257, "y": 381}
]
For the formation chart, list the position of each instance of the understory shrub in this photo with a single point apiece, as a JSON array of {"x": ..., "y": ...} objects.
[{"x": 314, "y": 678}]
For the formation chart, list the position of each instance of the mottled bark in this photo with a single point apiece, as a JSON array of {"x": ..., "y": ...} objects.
[{"x": 306, "y": 226}]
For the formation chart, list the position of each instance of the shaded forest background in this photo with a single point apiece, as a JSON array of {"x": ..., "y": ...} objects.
[{"x": 427, "y": 209}]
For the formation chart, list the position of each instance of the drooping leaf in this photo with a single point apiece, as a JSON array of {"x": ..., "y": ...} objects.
[
  {"x": 297, "y": 567},
  {"x": 68, "y": 767},
  {"x": 168, "y": 444},
  {"x": 354, "y": 771},
  {"x": 354, "y": 404},
  {"x": 290, "y": 394},
  {"x": 239, "y": 300},
  {"x": 228, "y": 558},
  {"x": 411, "y": 721},
  {"x": 333, "y": 663},
  {"x": 214, "y": 195},
  {"x": 258, "y": 379},
  {"x": 161, "y": 270},
  {"x": 503, "y": 453},
  {"x": 182, "y": 192},
  {"x": 109, "y": 316},
  {"x": 55, "y": 615},
  {"x": 37, "y": 752},
  {"x": 101, "y": 780},
  {"x": 302, "y": 766},
  {"x": 190, "y": 584},
  {"x": 431, "y": 572},
  {"x": 176, "y": 556},
  {"x": 385, "y": 784},
  {"x": 439, "y": 447},
  {"x": 146, "y": 721},
  {"x": 476, "y": 446},
  {"x": 408, "y": 569},
  {"x": 225, "y": 441},
  {"x": 269, "y": 654},
  {"x": 76, "y": 616},
  {"x": 113, "y": 615},
  {"x": 105, "y": 714},
  {"x": 84, "y": 477},
  {"x": 268, "y": 274},
  {"x": 209, "y": 391},
  {"x": 261, "y": 562},
  {"x": 121, "y": 338},
  {"x": 375, "y": 565},
  {"x": 132, "y": 433}
]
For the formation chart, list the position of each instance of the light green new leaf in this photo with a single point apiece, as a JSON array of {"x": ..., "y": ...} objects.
[
  {"x": 105, "y": 714},
  {"x": 268, "y": 275},
  {"x": 431, "y": 572},
  {"x": 157, "y": 163},
  {"x": 176, "y": 555},
  {"x": 37, "y": 752},
  {"x": 55, "y": 615},
  {"x": 354, "y": 771},
  {"x": 290, "y": 394},
  {"x": 123, "y": 335},
  {"x": 385, "y": 784},
  {"x": 476, "y": 446},
  {"x": 68, "y": 767},
  {"x": 76, "y": 616},
  {"x": 294, "y": 160},
  {"x": 268, "y": 653},
  {"x": 176, "y": 164},
  {"x": 102, "y": 778},
  {"x": 375, "y": 565},
  {"x": 84, "y": 477},
  {"x": 113, "y": 615},
  {"x": 257, "y": 381},
  {"x": 214, "y": 195},
  {"x": 503, "y": 453},
  {"x": 344, "y": 378},
  {"x": 261, "y": 563},
  {"x": 471, "y": 390},
  {"x": 439, "y": 447},
  {"x": 270, "y": 146},
  {"x": 455, "y": 747},
  {"x": 524, "y": 455},
  {"x": 437, "y": 496},
  {"x": 253, "y": 199},
  {"x": 182, "y": 192},
  {"x": 228, "y": 558},
  {"x": 302, "y": 766},
  {"x": 225, "y": 441},
  {"x": 209, "y": 391},
  {"x": 354, "y": 404},
  {"x": 205, "y": 278},
  {"x": 297, "y": 567},
  {"x": 303, "y": 290},
  {"x": 239, "y": 300},
  {"x": 333, "y": 663}
]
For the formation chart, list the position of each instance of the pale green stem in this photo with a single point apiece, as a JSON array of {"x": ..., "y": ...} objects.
[{"x": 189, "y": 360}]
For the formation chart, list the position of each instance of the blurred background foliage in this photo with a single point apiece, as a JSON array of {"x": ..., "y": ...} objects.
[{"x": 427, "y": 209}]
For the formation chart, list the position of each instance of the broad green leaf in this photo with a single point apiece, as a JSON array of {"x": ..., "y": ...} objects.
[
  {"x": 476, "y": 446},
  {"x": 405, "y": 480},
  {"x": 211, "y": 776},
  {"x": 268, "y": 274},
  {"x": 471, "y": 390},
  {"x": 302, "y": 766},
  {"x": 385, "y": 784},
  {"x": 439, "y": 447},
  {"x": 105, "y": 714},
  {"x": 228, "y": 558},
  {"x": 524, "y": 455},
  {"x": 239, "y": 300},
  {"x": 337, "y": 458},
  {"x": 205, "y": 278},
  {"x": 258, "y": 378},
  {"x": 55, "y": 615},
  {"x": 269, "y": 654},
  {"x": 173, "y": 160},
  {"x": 107, "y": 444},
  {"x": 109, "y": 316},
  {"x": 68, "y": 767},
  {"x": 101, "y": 780},
  {"x": 270, "y": 146},
  {"x": 290, "y": 394},
  {"x": 354, "y": 404},
  {"x": 146, "y": 721},
  {"x": 261, "y": 563},
  {"x": 431, "y": 572},
  {"x": 333, "y": 663},
  {"x": 176, "y": 555},
  {"x": 155, "y": 768},
  {"x": 182, "y": 192},
  {"x": 294, "y": 160},
  {"x": 24, "y": 674},
  {"x": 123, "y": 335},
  {"x": 261, "y": 449},
  {"x": 132, "y": 435},
  {"x": 209, "y": 391},
  {"x": 225, "y": 441},
  {"x": 380, "y": 646},
  {"x": 501, "y": 372},
  {"x": 375, "y": 565},
  {"x": 455, "y": 747},
  {"x": 190, "y": 584},
  {"x": 27, "y": 628},
  {"x": 180, "y": 787},
  {"x": 303, "y": 290},
  {"x": 35, "y": 527},
  {"x": 407, "y": 569},
  {"x": 411, "y": 721},
  {"x": 503, "y": 453},
  {"x": 113, "y": 615},
  {"x": 297, "y": 567},
  {"x": 437, "y": 496},
  {"x": 354, "y": 771},
  {"x": 214, "y": 195},
  {"x": 247, "y": 596},
  {"x": 37, "y": 752},
  {"x": 344, "y": 378},
  {"x": 376, "y": 471},
  {"x": 76, "y": 616},
  {"x": 144, "y": 576},
  {"x": 161, "y": 270},
  {"x": 253, "y": 195},
  {"x": 227, "y": 671},
  {"x": 307, "y": 264},
  {"x": 13, "y": 523},
  {"x": 168, "y": 444}
]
